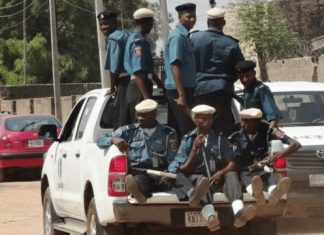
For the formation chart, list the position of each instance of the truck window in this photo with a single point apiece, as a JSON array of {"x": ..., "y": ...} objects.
[
  {"x": 106, "y": 121},
  {"x": 85, "y": 117},
  {"x": 66, "y": 134}
]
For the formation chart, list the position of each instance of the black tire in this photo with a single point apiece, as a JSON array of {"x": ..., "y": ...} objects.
[
  {"x": 49, "y": 215},
  {"x": 95, "y": 228},
  {"x": 2, "y": 175}
]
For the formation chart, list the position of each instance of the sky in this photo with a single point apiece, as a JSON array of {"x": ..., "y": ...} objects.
[{"x": 202, "y": 7}]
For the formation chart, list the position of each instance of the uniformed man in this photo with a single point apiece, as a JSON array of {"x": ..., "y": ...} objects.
[
  {"x": 252, "y": 143},
  {"x": 179, "y": 62},
  {"x": 138, "y": 60},
  {"x": 149, "y": 145},
  {"x": 216, "y": 55},
  {"x": 257, "y": 94},
  {"x": 115, "y": 45},
  {"x": 220, "y": 161}
]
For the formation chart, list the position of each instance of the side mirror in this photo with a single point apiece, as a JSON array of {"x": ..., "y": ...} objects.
[{"x": 48, "y": 132}]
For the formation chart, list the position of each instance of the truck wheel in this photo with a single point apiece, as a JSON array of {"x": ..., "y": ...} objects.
[
  {"x": 95, "y": 228},
  {"x": 49, "y": 215},
  {"x": 2, "y": 177}
]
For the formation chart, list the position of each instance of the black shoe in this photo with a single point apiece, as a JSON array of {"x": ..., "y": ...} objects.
[
  {"x": 282, "y": 188},
  {"x": 213, "y": 223},
  {"x": 257, "y": 189},
  {"x": 244, "y": 215},
  {"x": 199, "y": 192},
  {"x": 133, "y": 189}
]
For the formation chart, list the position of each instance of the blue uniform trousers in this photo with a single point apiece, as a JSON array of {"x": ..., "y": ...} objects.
[
  {"x": 177, "y": 117},
  {"x": 268, "y": 178},
  {"x": 221, "y": 100},
  {"x": 121, "y": 111},
  {"x": 134, "y": 96}
]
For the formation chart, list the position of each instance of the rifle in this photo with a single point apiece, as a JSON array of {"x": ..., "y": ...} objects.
[
  {"x": 157, "y": 173},
  {"x": 258, "y": 166}
]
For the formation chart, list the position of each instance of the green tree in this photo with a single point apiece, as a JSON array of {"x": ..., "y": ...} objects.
[
  {"x": 11, "y": 62},
  {"x": 262, "y": 26},
  {"x": 77, "y": 39}
]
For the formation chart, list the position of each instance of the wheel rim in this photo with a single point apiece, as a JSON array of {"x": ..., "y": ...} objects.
[{"x": 48, "y": 219}]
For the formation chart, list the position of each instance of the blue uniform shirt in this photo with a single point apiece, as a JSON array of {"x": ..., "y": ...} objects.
[
  {"x": 138, "y": 56},
  {"x": 178, "y": 47},
  {"x": 216, "y": 56},
  {"x": 161, "y": 145},
  {"x": 115, "y": 46},
  {"x": 258, "y": 95},
  {"x": 250, "y": 150},
  {"x": 218, "y": 152}
]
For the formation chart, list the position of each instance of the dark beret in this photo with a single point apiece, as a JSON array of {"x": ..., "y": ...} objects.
[
  {"x": 186, "y": 7},
  {"x": 106, "y": 15},
  {"x": 245, "y": 66}
]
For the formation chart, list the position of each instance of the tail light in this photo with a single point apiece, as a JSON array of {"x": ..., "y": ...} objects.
[
  {"x": 117, "y": 176},
  {"x": 5, "y": 141},
  {"x": 280, "y": 166}
]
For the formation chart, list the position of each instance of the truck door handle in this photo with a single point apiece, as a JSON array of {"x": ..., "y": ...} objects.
[
  {"x": 77, "y": 155},
  {"x": 64, "y": 155}
]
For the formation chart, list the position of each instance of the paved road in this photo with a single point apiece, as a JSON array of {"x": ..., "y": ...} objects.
[
  {"x": 21, "y": 213},
  {"x": 20, "y": 208}
]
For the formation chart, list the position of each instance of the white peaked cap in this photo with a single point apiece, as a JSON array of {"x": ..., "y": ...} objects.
[
  {"x": 203, "y": 109},
  {"x": 252, "y": 113},
  {"x": 215, "y": 13},
  {"x": 146, "y": 106},
  {"x": 143, "y": 13}
]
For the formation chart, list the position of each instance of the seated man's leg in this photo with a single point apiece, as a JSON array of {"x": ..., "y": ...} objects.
[
  {"x": 277, "y": 189},
  {"x": 139, "y": 186},
  {"x": 253, "y": 184},
  {"x": 192, "y": 188},
  {"x": 233, "y": 191}
]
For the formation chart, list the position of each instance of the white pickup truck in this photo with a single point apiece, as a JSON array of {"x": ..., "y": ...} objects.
[{"x": 83, "y": 186}]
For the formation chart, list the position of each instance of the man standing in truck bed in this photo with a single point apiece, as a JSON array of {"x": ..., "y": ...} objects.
[
  {"x": 115, "y": 45},
  {"x": 216, "y": 55}
]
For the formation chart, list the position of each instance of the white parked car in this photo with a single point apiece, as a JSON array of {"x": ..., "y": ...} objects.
[{"x": 302, "y": 107}]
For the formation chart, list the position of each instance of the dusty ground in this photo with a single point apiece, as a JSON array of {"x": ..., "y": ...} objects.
[
  {"x": 20, "y": 208},
  {"x": 21, "y": 213}
]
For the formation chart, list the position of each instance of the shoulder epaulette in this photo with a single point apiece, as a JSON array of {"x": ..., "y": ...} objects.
[
  {"x": 195, "y": 31},
  {"x": 167, "y": 129},
  {"x": 234, "y": 39}
]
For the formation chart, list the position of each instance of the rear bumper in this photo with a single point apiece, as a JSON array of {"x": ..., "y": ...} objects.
[
  {"x": 24, "y": 160},
  {"x": 174, "y": 215}
]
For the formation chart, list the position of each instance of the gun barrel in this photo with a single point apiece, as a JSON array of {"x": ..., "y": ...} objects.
[{"x": 158, "y": 173}]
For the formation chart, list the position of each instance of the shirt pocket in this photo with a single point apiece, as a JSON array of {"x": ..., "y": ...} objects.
[
  {"x": 158, "y": 148},
  {"x": 136, "y": 149}
]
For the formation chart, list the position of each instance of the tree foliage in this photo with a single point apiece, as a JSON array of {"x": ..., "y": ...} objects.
[
  {"x": 77, "y": 39},
  {"x": 262, "y": 25}
]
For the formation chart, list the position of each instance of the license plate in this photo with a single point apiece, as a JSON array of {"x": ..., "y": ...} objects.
[
  {"x": 194, "y": 219},
  {"x": 316, "y": 180},
  {"x": 35, "y": 143}
]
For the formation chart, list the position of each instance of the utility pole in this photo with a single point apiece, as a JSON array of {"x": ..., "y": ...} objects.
[
  {"x": 122, "y": 13},
  {"x": 25, "y": 45},
  {"x": 55, "y": 69},
  {"x": 105, "y": 76},
  {"x": 164, "y": 16}
]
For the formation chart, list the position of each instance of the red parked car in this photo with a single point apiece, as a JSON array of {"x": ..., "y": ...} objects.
[{"x": 20, "y": 146}]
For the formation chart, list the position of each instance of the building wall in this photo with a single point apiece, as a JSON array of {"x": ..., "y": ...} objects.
[
  {"x": 45, "y": 90},
  {"x": 297, "y": 69}
]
